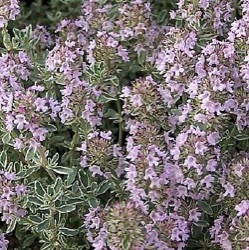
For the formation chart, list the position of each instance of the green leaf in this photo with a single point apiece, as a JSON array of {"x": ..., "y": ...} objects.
[
  {"x": 94, "y": 186},
  {"x": 6, "y": 40},
  {"x": 57, "y": 139},
  {"x": 113, "y": 12},
  {"x": 205, "y": 207},
  {"x": 75, "y": 187},
  {"x": 240, "y": 237},
  {"x": 11, "y": 226},
  {"x": 35, "y": 200},
  {"x": 142, "y": 57},
  {"x": 19, "y": 232},
  {"x": 58, "y": 184},
  {"x": 93, "y": 202},
  {"x": 74, "y": 201},
  {"x": 192, "y": 244},
  {"x": 62, "y": 170},
  {"x": 71, "y": 177},
  {"x": 28, "y": 31},
  {"x": 6, "y": 138},
  {"x": 112, "y": 114},
  {"x": 3, "y": 159},
  {"x": 102, "y": 2},
  {"x": 50, "y": 190},
  {"x": 30, "y": 154},
  {"x": 84, "y": 178},
  {"x": 17, "y": 33},
  {"x": 29, "y": 171},
  {"x": 57, "y": 195},
  {"x": 201, "y": 223},
  {"x": 103, "y": 187},
  {"x": 29, "y": 240},
  {"x": 47, "y": 246},
  {"x": 66, "y": 208},
  {"x": 135, "y": 68},
  {"x": 30, "y": 220},
  {"x": 65, "y": 157},
  {"x": 10, "y": 167},
  {"x": 241, "y": 137},
  {"x": 43, "y": 226},
  {"x": 51, "y": 128},
  {"x": 39, "y": 190},
  {"x": 44, "y": 207},
  {"x": 161, "y": 16},
  {"x": 55, "y": 159},
  {"x": 35, "y": 219},
  {"x": 195, "y": 231},
  {"x": 104, "y": 98},
  {"x": 126, "y": 243},
  {"x": 113, "y": 79},
  {"x": 208, "y": 36},
  {"x": 68, "y": 232}
]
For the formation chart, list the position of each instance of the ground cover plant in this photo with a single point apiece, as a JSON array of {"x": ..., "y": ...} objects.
[{"x": 124, "y": 124}]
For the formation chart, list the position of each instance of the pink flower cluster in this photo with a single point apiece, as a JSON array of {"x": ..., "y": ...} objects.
[
  {"x": 176, "y": 121},
  {"x": 10, "y": 194},
  {"x": 9, "y": 9}
]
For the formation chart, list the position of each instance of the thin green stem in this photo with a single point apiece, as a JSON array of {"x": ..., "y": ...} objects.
[
  {"x": 74, "y": 144},
  {"x": 44, "y": 163},
  {"x": 117, "y": 183},
  {"x": 120, "y": 128},
  {"x": 53, "y": 228}
]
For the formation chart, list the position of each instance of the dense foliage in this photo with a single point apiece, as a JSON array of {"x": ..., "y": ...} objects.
[{"x": 124, "y": 125}]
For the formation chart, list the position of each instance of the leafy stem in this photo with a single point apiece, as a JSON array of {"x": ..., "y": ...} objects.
[
  {"x": 120, "y": 129},
  {"x": 74, "y": 144},
  {"x": 44, "y": 163}
]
